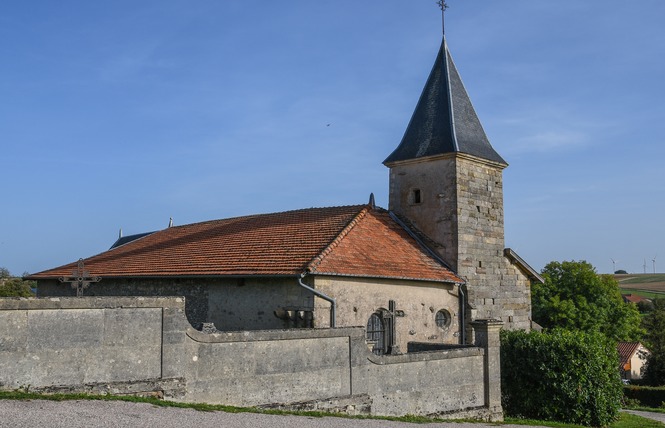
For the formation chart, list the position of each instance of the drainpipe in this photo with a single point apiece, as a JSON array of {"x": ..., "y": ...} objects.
[
  {"x": 462, "y": 306},
  {"x": 333, "y": 305}
]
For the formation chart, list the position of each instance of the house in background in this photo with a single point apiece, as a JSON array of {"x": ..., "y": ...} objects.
[
  {"x": 418, "y": 272},
  {"x": 634, "y": 298},
  {"x": 632, "y": 357}
]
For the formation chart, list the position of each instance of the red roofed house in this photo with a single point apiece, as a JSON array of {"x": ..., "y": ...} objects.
[
  {"x": 632, "y": 357},
  {"x": 418, "y": 272},
  {"x": 634, "y": 298}
]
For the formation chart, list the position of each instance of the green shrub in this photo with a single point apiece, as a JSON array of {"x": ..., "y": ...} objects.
[
  {"x": 647, "y": 396},
  {"x": 16, "y": 287},
  {"x": 563, "y": 376}
]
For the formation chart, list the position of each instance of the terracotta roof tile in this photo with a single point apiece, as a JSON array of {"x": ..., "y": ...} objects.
[
  {"x": 351, "y": 240},
  {"x": 626, "y": 351},
  {"x": 633, "y": 298},
  {"x": 377, "y": 246}
]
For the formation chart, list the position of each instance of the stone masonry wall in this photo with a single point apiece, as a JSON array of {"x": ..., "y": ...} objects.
[
  {"x": 461, "y": 211},
  {"x": 418, "y": 301},
  {"x": 144, "y": 345},
  {"x": 255, "y": 303},
  {"x": 231, "y": 304}
]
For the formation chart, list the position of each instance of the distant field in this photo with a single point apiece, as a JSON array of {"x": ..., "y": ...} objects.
[{"x": 645, "y": 285}]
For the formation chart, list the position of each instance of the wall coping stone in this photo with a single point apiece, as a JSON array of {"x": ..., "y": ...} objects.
[
  {"x": 446, "y": 354},
  {"x": 269, "y": 335},
  {"x": 111, "y": 302}
]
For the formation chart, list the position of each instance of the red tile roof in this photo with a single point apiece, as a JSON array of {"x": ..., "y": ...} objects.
[
  {"x": 352, "y": 240},
  {"x": 633, "y": 298},
  {"x": 626, "y": 351}
]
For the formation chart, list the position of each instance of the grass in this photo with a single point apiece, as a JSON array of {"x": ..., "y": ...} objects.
[
  {"x": 650, "y": 286},
  {"x": 640, "y": 278},
  {"x": 625, "y": 420},
  {"x": 648, "y": 294}
]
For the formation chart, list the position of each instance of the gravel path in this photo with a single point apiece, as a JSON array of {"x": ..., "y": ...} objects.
[
  {"x": 660, "y": 417},
  {"x": 119, "y": 414}
]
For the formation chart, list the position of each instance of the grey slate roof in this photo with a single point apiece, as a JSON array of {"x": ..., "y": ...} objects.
[
  {"x": 126, "y": 239},
  {"x": 444, "y": 120}
]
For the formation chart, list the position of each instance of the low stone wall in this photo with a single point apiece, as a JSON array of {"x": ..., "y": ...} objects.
[{"x": 144, "y": 345}]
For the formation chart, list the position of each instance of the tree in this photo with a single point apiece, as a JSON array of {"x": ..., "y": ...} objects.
[
  {"x": 575, "y": 297},
  {"x": 654, "y": 340},
  {"x": 645, "y": 306},
  {"x": 14, "y": 287}
]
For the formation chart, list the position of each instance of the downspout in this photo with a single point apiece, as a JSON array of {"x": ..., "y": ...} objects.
[
  {"x": 462, "y": 315},
  {"x": 333, "y": 304}
]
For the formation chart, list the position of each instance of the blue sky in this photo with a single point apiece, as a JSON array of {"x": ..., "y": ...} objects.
[{"x": 122, "y": 114}]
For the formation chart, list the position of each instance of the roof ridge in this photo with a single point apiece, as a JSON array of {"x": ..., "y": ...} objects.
[
  {"x": 449, "y": 90},
  {"x": 260, "y": 214},
  {"x": 311, "y": 266}
]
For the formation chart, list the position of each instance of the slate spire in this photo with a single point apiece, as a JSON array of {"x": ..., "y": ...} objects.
[{"x": 444, "y": 120}]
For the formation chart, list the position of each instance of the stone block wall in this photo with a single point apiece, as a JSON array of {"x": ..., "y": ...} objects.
[
  {"x": 461, "y": 212},
  {"x": 231, "y": 304},
  {"x": 144, "y": 345},
  {"x": 60, "y": 342},
  {"x": 417, "y": 301}
]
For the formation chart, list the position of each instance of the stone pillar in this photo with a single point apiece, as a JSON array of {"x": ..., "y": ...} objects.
[{"x": 487, "y": 337}]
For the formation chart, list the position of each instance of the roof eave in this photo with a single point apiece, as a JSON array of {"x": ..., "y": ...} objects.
[
  {"x": 185, "y": 276},
  {"x": 402, "y": 278},
  {"x": 450, "y": 155},
  {"x": 515, "y": 259}
]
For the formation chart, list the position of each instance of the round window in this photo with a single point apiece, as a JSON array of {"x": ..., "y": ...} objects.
[{"x": 443, "y": 319}]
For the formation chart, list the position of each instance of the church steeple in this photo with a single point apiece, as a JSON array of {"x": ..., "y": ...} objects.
[
  {"x": 444, "y": 120},
  {"x": 446, "y": 180}
]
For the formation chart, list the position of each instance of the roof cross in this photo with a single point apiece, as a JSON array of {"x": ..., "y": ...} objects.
[
  {"x": 80, "y": 279},
  {"x": 443, "y": 5}
]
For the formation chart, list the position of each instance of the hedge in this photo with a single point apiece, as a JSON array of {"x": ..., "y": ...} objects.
[
  {"x": 648, "y": 396},
  {"x": 562, "y": 375}
]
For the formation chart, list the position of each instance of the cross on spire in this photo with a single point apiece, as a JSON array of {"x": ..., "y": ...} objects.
[
  {"x": 80, "y": 279},
  {"x": 443, "y": 5}
]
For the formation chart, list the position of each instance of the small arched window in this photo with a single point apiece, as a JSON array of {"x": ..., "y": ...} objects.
[{"x": 376, "y": 334}]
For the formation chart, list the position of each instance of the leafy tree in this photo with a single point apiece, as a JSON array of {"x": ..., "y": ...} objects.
[
  {"x": 645, "y": 306},
  {"x": 654, "y": 340},
  {"x": 14, "y": 287},
  {"x": 575, "y": 297}
]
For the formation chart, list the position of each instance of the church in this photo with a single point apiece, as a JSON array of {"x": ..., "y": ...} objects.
[{"x": 416, "y": 273}]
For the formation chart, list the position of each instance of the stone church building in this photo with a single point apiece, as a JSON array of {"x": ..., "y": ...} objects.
[{"x": 416, "y": 273}]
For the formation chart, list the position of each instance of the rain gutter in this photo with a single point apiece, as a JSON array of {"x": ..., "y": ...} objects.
[{"x": 333, "y": 304}]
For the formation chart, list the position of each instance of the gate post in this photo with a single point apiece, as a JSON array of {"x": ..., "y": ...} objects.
[{"x": 487, "y": 336}]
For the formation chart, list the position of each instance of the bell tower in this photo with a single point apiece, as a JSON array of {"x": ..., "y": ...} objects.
[{"x": 446, "y": 180}]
